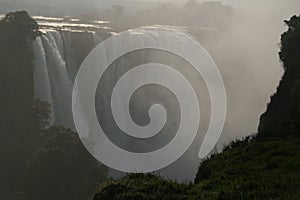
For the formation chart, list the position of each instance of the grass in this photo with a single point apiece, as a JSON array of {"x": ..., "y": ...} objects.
[{"x": 246, "y": 169}]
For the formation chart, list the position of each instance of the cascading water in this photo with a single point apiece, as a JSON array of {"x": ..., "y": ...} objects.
[
  {"x": 41, "y": 77},
  {"x": 51, "y": 79},
  {"x": 60, "y": 84},
  {"x": 56, "y": 66},
  {"x": 143, "y": 99},
  {"x": 69, "y": 54},
  {"x": 55, "y": 70},
  {"x": 97, "y": 38}
]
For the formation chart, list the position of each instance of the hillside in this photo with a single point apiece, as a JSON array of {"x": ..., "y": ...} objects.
[
  {"x": 37, "y": 159},
  {"x": 262, "y": 167},
  {"x": 245, "y": 170},
  {"x": 282, "y": 117}
]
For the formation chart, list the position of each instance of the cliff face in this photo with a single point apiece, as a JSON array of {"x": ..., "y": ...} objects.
[
  {"x": 38, "y": 161},
  {"x": 17, "y": 31},
  {"x": 18, "y": 121},
  {"x": 282, "y": 117}
]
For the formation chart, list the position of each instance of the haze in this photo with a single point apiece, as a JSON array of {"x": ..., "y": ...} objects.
[{"x": 246, "y": 53}]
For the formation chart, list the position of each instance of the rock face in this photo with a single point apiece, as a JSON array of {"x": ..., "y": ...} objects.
[
  {"x": 38, "y": 160},
  {"x": 17, "y": 118},
  {"x": 17, "y": 31},
  {"x": 282, "y": 117}
]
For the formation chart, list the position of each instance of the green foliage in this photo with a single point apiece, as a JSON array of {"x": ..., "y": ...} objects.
[
  {"x": 248, "y": 169},
  {"x": 253, "y": 170},
  {"x": 141, "y": 187}
]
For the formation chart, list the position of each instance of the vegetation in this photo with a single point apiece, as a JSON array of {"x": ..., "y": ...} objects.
[
  {"x": 265, "y": 166},
  {"x": 38, "y": 161},
  {"x": 140, "y": 187},
  {"x": 45, "y": 162},
  {"x": 18, "y": 122},
  {"x": 247, "y": 169},
  {"x": 282, "y": 117}
]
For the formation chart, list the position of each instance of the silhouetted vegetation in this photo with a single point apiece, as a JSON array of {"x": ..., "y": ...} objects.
[
  {"x": 38, "y": 161},
  {"x": 282, "y": 115}
]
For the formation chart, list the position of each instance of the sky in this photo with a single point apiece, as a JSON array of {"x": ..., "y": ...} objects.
[
  {"x": 270, "y": 5},
  {"x": 256, "y": 4}
]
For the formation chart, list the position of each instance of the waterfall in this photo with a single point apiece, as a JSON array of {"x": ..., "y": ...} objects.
[
  {"x": 41, "y": 77},
  {"x": 58, "y": 56},
  {"x": 54, "y": 73},
  {"x": 97, "y": 38},
  {"x": 69, "y": 54},
  {"x": 51, "y": 78}
]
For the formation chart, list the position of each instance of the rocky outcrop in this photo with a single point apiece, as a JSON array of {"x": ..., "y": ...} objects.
[{"x": 282, "y": 117}]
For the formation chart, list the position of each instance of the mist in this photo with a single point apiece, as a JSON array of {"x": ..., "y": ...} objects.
[
  {"x": 246, "y": 53},
  {"x": 241, "y": 36}
]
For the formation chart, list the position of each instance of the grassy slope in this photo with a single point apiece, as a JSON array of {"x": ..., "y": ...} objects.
[{"x": 266, "y": 169}]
